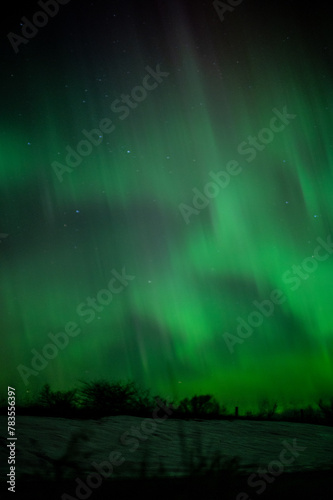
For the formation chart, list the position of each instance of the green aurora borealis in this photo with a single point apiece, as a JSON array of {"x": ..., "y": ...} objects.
[{"x": 120, "y": 207}]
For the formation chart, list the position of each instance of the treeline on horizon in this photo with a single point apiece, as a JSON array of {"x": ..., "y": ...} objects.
[{"x": 101, "y": 398}]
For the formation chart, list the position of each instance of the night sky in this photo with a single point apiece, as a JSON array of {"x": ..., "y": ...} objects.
[{"x": 166, "y": 198}]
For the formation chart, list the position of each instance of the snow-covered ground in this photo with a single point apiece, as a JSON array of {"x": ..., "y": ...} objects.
[{"x": 53, "y": 448}]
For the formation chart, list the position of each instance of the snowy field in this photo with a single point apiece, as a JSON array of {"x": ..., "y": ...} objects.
[{"x": 54, "y": 448}]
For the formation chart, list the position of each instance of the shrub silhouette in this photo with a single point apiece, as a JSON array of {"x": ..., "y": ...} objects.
[
  {"x": 101, "y": 398},
  {"x": 114, "y": 398},
  {"x": 267, "y": 409},
  {"x": 57, "y": 401},
  {"x": 199, "y": 406}
]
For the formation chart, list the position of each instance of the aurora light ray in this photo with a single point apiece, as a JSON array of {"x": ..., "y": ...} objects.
[{"x": 120, "y": 208}]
